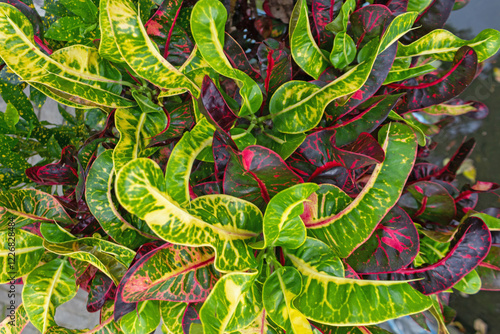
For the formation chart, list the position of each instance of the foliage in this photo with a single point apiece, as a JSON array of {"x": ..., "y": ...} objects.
[{"x": 227, "y": 172}]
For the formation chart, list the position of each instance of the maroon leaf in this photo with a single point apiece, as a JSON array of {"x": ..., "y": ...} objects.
[
  {"x": 208, "y": 188},
  {"x": 397, "y": 7},
  {"x": 365, "y": 151},
  {"x": 215, "y": 108},
  {"x": 392, "y": 246},
  {"x": 191, "y": 316},
  {"x": 238, "y": 58},
  {"x": 368, "y": 22},
  {"x": 323, "y": 12},
  {"x": 434, "y": 90},
  {"x": 100, "y": 288},
  {"x": 179, "y": 119},
  {"x": 429, "y": 203},
  {"x": 62, "y": 172},
  {"x": 220, "y": 144},
  {"x": 422, "y": 171},
  {"x": 449, "y": 172},
  {"x": 489, "y": 270},
  {"x": 275, "y": 64},
  {"x": 468, "y": 248},
  {"x": 257, "y": 174},
  {"x": 433, "y": 17}
]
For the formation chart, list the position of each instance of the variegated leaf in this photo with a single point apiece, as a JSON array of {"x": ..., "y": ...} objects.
[
  {"x": 298, "y": 106},
  {"x": 107, "y": 44},
  {"x": 47, "y": 287},
  {"x": 172, "y": 314},
  {"x": 220, "y": 221},
  {"x": 158, "y": 275},
  {"x": 348, "y": 229},
  {"x": 15, "y": 322},
  {"x": 331, "y": 299},
  {"x": 208, "y": 19},
  {"x": 20, "y": 253},
  {"x": 144, "y": 320},
  {"x": 139, "y": 52}
]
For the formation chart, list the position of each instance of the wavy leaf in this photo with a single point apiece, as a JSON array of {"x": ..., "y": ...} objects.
[
  {"x": 302, "y": 110},
  {"x": 47, "y": 287},
  {"x": 139, "y": 52},
  {"x": 207, "y": 23},
  {"x": 345, "y": 231},
  {"x": 335, "y": 300},
  {"x": 158, "y": 274}
]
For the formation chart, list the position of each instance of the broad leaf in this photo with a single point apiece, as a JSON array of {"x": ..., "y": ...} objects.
[
  {"x": 348, "y": 229},
  {"x": 20, "y": 253},
  {"x": 433, "y": 17},
  {"x": 470, "y": 283},
  {"x": 365, "y": 151},
  {"x": 221, "y": 221},
  {"x": 107, "y": 45},
  {"x": 47, "y": 287},
  {"x": 207, "y": 23},
  {"x": 171, "y": 314},
  {"x": 280, "y": 291},
  {"x": 489, "y": 270},
  {"x": 144, "y": 320},
  {"x": 157, "y": 275},
  {"x": 139, "y": 52},
  {"x": 62, "y": 172},
  {"x": 305, "y": 51},
  {"x": 331, "y": 299},
  {"x": 275, "y": 65}
]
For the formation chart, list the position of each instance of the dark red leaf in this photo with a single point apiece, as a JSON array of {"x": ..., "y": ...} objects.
[
  {"x": 435, "y": 90},
  {"x": 397, "y": 7},
  {"x": 449, "y": 172},
  {"x": 365, "y": 151},
  {"x": 191, "y": 316},
  {"x": 323, "y": 12},
  {"x": 433, "y": 17},
  {"x": 215, "y": 108},
  {"x": 275, "y": 64},
  {"x": 62, "y": 172},
  {"x": 422, "y": 171},
  {"x": 257, "y": 174},
  {"x": 238, "y": 58},
  {"x": 220, "y": 144},
  {"x": 468, "y": 248},
  {"x": 392, "y": 246},
  {"x": 368, "y": 22},
  {"x": 208, "y": 188},
  {"x": 100, "y": 288},
  {"x": 179, "y": 119}
]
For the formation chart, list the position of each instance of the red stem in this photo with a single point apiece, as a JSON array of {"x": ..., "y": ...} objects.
[{"x": 167, "y": 43}]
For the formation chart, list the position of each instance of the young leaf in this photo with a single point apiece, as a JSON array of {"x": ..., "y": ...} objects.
[
  {"x": 26, "y": 250},
  {"x": 344, "y": 51},
  {"x": 156, "y": 275},
  {"x": 47, "y": 287},
  {"x": 345, "y": 231},
  {"x": 83, "y": 8},
  {"x": 280, "y": 290},
  {"x": 207, "y": 23},
  {"x": 305, "y": 51},
  {"x": 334, "y": 300},
  {"x": 139, "y": 52},
  {"x": 469, "y": 284}
]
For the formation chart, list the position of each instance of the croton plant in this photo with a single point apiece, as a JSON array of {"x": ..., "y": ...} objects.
[{"x": 239, "y": 167}]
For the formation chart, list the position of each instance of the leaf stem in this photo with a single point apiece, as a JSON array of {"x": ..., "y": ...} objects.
[{"x": 279, "y": 141}]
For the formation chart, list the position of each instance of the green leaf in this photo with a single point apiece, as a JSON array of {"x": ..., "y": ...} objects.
[
  {"x": 100, "y": 199},
  {"x": 35, "y": 67},
  {"x": 45, "y": 288},
  {"x": 52, "y": 232},
  {"x": 340, "y": 22},
  {"x": 232, "y": 302},
  {"x": 16, "y": 325},
  {"x": 29, "y": 205},
  {"x": 403, "y": 74},
  {"x": 20, "y": 253},
  {"x": 107, "y": 45},
  {"x": 449, "y": 109},
  {"x": 280, "y": 291},
  {"x": 86, "y": 9},
  {"x": 67, "y": 29},
  {"x": 338, "y": 301},
  {"x": 348, "y": 229},
  {"x": 139, "y": 52},
  {"x": 469, "y": 284},
  {"x": 344, "y": 50},
  {"x": 421, "y": 137},
  {"x": 11, "y": 116},
  {"x": 282, "y": 224},
  {"x": 305, "y": 51},
  {"x": 208, "y": 19},
  {"x": 298, "y": 106},
  {"x": 171, "y": 314},
  {"x": 182, "y": 158},
  {"x": 442, "y": 44},
  {"x": 136, "y": 128},
  {"x": 221, "y": 221},
  {"x": 143, "y": 320}
]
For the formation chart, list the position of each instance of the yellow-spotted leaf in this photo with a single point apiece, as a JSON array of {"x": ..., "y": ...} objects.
[
  {"x": 112, "y": 259},
  {"x": 282, "y": 223},
  {"x": 172, "y": 314},
  {"x": 233, "y": 304},
  {"x": 16, "y": 320},
  {"x": 100, "y": 200},
  {"x": 407, "y": 73},
  {"x": 26, "y": 206},
  {"x": 346, "y": 230},
  {"x": 21, "y": 54},
  {"x": 280, "y": 291},
  {"x": 107, "y": 45},
  {"x": 442, "y": 44},
  {"x": 137, "y": 127},
  {"x": 331, "y": 299},
  {"x": 182, "y": 159},
  {"x": 139, "y": 51},
  {"x": 20, "y": 253},
  {"x": 298, "y": 106},
  {"x": 208, "y": 20},
  {"x": 45, "y": 288},
  {"x": 223, "y": 222},
  {"x": 144, "y": 319},
  {"x": 305, "y": 51}
]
